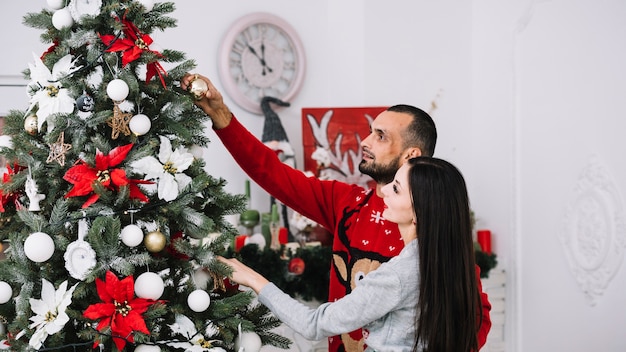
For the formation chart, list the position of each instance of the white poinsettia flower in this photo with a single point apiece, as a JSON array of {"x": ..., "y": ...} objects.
[
  {"x": 49, "y": 96},
  {"x": 196, "y": 341},
  {"x": 50, "y": 312},
  {"x": 167, "y": 169}
]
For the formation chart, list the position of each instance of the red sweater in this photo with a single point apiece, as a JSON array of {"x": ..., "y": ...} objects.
[{"x": 362, "y": 239}]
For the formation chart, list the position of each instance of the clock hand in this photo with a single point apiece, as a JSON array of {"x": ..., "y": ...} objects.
[
  {"x": 263, "y": 56},
  {"x": 261, "y": 59}
]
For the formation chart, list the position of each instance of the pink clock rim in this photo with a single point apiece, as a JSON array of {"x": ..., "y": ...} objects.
[{"x": 223, "y": 61}]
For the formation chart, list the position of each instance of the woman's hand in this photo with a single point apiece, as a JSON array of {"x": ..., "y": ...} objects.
[{"x": 244, "y": 275}]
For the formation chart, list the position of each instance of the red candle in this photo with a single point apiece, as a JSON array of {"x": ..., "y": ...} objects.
[
  {"x": 240, "y": 241},
  {"x": 282, "y": 235},
  {"x": 484, "y": 239}
]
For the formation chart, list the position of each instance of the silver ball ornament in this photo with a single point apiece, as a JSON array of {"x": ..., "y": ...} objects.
[
  {"x": 30, "y": 125},
  {"x": 198, "y": 87}
]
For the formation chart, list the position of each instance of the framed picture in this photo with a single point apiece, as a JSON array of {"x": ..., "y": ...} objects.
[{"x": 332, "y": 138}]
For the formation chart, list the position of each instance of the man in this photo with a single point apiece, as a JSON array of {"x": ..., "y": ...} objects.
[{"x": 362, "y": 238}]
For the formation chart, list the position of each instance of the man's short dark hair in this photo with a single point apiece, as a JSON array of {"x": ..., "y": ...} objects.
[{"x": 421, "y": 132}]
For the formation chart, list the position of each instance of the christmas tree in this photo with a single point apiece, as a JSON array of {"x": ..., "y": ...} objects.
[{"x": 112, "y": 219}]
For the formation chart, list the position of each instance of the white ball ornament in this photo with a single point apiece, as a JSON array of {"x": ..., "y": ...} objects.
[
  {"x": 55, "y": 4},
  {"x": 132, "y": 235},
  {"x": 198, "y": 301},
  {"x": 62, "y": 18},
  {"x": 6, "y": 292},
  {"x": 148, "y": 4},
  {"x": 147, "y": 348},
  {"x": 117, "y": 90},
  {"x": 248, "y": 342},
  {"x": 139, "y": 124},
  {"x": 149, "y": 285},
  {"x": 39, "y": 247}
]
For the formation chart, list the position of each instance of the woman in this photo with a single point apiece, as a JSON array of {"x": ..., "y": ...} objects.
[{"x": 426, "y": 298}]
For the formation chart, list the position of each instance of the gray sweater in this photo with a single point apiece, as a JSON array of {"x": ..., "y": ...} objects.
[{"x": 383, "y": 303}]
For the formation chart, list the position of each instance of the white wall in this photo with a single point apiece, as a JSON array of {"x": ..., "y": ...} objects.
[{"x": 528, "y": 95}]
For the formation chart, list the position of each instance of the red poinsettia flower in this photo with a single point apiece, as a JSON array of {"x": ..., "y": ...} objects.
[
  {"x": 132, "y": 46},
  {"x": 83, "y": 176},
  {"x": 120, "y": 309},
  {"x": 6, "y": 178}
]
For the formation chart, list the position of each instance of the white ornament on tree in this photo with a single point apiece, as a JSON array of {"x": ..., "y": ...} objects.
[
  {"x": 147, "y": 348},
  {"x": 55, "y": 4},
  {"x": 117, "y": 89},
  {"x": 197, "y": 151},
  {"x": 6, "y": 292},
  {"x": 201, "y": 278},
  {"x": 132, "y": 235},
  {"x": 31, "y": 192},
  {"x": 199, "y": 301},
  {"x": 80, "y": 8},
  {"x": 149, "y": 285},
  {"x": 39, "y": 247},
  {"x": 140, "y": 124},
  {"x": 147, "y": 4},
  {"x": 62, "y": 18},
  {"x": 248, "y": 341},
  {"x": 79, "y": 256}
]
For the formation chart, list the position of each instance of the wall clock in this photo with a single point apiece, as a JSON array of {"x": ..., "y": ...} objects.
[{"x": 261, "y": 55}]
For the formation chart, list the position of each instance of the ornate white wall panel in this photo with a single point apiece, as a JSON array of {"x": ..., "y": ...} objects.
[{"x": 594, "y": 234}]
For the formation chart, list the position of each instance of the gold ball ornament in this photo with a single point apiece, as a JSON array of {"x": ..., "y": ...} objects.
[
  {"x": 198, "y": 88},
  {"x": 155, "y": 241},
  {"x": 30, "y": 125}
]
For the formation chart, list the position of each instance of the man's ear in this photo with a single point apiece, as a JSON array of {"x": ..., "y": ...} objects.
[{"x": 413, "y": 153}]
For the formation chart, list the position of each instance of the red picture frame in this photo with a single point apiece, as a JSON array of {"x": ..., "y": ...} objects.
[{"x": 339, "y": 132}]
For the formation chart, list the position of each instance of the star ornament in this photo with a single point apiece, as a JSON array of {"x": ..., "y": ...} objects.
[
  {"x": 83, "y": 176},
  {"x": 119, "y": 310},
  {"x": 58, "y": 150},
  {"x": 119, "y": 122}
]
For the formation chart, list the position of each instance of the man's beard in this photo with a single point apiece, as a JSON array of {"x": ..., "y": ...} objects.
[{"x": 382, "y": 174}]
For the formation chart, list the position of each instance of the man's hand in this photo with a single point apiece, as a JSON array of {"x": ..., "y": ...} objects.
[{"x": 211, "y": 103}]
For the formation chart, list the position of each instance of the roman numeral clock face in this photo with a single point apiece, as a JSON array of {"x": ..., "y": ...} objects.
[{"x": 261, "y": 55}]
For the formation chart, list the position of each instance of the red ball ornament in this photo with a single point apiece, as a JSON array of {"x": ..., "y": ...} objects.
[{"x": 296, "y": 266}]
